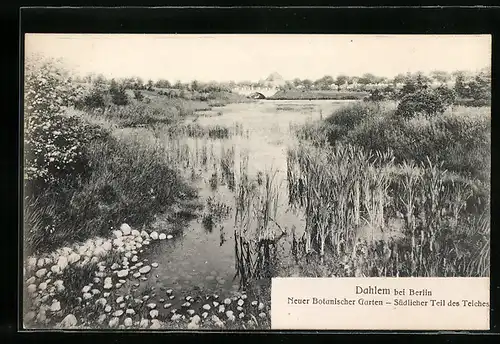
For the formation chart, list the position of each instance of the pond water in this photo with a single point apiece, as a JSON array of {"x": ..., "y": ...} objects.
[{"x": 201, "y": 260}]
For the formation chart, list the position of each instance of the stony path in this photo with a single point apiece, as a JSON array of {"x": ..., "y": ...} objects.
[{"x": 96, "y": 285}]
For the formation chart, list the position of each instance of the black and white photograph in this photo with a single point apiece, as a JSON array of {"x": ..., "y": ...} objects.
[{"x": 168, "y": 178}]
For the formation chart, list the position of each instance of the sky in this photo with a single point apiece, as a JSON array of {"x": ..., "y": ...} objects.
[{"x": 252, "y": 57}]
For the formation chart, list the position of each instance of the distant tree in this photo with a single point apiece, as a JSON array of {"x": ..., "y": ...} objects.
[
  {"x": 138, "y": 95},
  {"x": 178, "y": 85},
  {"x": 307, "y": 84},
  {"x": 149, "y": 85},
  {"x": 367, "y": 78},
  {"x": 118, "y": 94},
  {"x": 324, "y": 83},
  {"x": 342, "y": 79},
  {"x": 297, "y": 82},
  {"x": 400, "y": 78},
  {"x": 162, "y": 83},
  {"x": 460, "y": 87},
  {"x": 440, "y": 76}
]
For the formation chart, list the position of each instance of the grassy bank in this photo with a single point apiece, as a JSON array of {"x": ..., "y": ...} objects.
[
  {"x": 125, "y": 182},
  {"x": 419, "y": 187}
]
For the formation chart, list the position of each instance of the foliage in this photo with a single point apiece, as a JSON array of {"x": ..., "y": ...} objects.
[
  {"x": 55, "y": 144},
  {"x": 424, "y": 101},
  {"x": 138, "y": 95}
]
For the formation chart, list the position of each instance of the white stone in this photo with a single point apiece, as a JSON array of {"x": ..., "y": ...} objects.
[
  {"x": 135, "y": 232},
  {"x": 154, "y": 265},
  {"x": 153, "y": 313},
  {"x": 240, "y": 302},
  {"x": 62, "y": 262},
  {"x": 118, "y": 234},
  {"x": 254, "y": 303},
  {"x": 155, "y": 324},
  {"x": 229, "y": 314},
  {"x": 102, "y": 301},
  {"x": 122, "y": 273},
  {"x": 144, "y": 234},
  {"x": 162, "y": 236},
  {"x": 118, "y": 242},
  {"x": 107, "y": 246},
  {"x": 107, "y": 309},
  {"x": 145, "y": 269},
  {"x": 151, "y": 305},
  {"x": 55, "y": 269},
  {"x": 40, "y": 273},
  {"x": 56, "y": 306},
  {"x": 227, "y": 301},
  {"x": 118, "y": 313},
  {"x": 175, "y": 317},
  {"x": 169, "y": 237},
  {"x": 99, "y": 252},
  {"x": 239, "y": 308},
  {"x": 222, "y": 309},
  {"x": 154, "y": 235},
  {"x": 69, "y": 321},
  {"x": 42, "y": 286},
  {"x": 144, "y": 323},
  {"x": 130, "y": 311},
  {"x": 261, "y": 306},
  {"x": 190, "y": 311},
  {"x": 134, "y": 259},
  {"x": 101, "y": 318},
  {"x": 127, "y": 322},
  {"x": 41, "y": 262},
  {"x": 87, "y": 296},
  {"x": 31, "y": 262},
  {"x": 241, "y": 315},
  {"x": 32, "y": 288},
  {"x": 86, "y": 289},
  {"x": 114, "y": 322},
  {"x": 125, "y": 228},
  {"x": 206, "y": 307},
  {"x": 262, "y": 315}
]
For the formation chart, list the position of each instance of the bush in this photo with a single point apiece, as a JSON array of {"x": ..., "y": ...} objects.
[
  {"x": 461, "y": 138},
  {"x": 95, "y": 99},
  {"x": 138, "y": 95},
  {"x": 428, "y": 102},
  {"x": 55, "y": 144}
]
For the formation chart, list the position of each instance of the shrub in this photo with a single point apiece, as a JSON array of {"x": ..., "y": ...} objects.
[
  {"x": 54, "y": 144},
  {"x": 138, "y": 95},
  {"x": 118, "y": 94},
  {"x": 426, "y": 102}
]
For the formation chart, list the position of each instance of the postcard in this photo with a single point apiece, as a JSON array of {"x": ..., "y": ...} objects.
[{"x": 256, "y": 182}]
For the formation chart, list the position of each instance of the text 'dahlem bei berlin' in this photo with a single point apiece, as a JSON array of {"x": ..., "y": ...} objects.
[{"x": 352, "y": 303}]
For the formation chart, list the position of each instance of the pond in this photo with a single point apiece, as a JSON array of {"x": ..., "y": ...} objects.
[{"x": 202, "y": 259}]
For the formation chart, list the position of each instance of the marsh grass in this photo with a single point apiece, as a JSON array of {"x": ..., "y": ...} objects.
[{"x": 344, "y": 188}]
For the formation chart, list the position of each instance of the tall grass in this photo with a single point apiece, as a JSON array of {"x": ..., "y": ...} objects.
[
  {"x": 344, "y": 189},
  {"x": 128, "y": 182}
]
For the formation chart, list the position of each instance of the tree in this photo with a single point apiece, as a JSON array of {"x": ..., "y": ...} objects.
[
  {"x": 149, "y": 85},
  {"x": 367, "y": 78},
  {"x": 195, "y": 86},
  {"x": 400, "y": 78},
  {"x": 342, "y": 79},
  {"x": 307, "y": 84},
  {"x": 440, "y": 76},
  {"x": 459, "y": 87},
  {"x": 423, "y": 101}
]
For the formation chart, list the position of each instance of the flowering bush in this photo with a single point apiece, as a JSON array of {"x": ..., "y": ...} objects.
[{"x": 54, "y": 143}]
